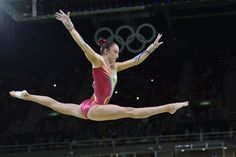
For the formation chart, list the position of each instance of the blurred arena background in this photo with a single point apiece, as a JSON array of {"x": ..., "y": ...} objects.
[{"x": 197, "y": 62}]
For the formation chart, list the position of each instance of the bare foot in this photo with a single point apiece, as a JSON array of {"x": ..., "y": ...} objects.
[
  {"x": 20, "y": 94},
  {"x": 175, "y": 106}
]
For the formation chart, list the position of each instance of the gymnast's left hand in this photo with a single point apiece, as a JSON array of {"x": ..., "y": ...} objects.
[{"x": 156, "y": 43}]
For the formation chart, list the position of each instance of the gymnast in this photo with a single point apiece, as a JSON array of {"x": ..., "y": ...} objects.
[{"x": 104, "y": 70}]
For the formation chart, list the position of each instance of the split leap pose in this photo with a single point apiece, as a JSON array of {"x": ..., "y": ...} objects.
[{"x": 104, "y": 70}]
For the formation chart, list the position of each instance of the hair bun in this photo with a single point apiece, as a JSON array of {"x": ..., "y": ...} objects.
[{"x": 101, "y": 41}]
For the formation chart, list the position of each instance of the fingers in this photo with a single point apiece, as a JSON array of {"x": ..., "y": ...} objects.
[
  {"x": 160, "y": 43},
  {"x": 62, "y": 12},
  {"x": 58, "y": 16},
  {"x": 61, "y": 15},
  {"x": 158, "y": 38}
]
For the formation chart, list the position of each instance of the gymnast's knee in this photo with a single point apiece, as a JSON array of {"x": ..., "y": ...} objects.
[
  {"x": 134, "y": 113},
  {"x": 130, "y": 112}
]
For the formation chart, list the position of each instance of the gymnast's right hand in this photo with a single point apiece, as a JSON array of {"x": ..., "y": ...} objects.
[{"x": 65, "y": 19}]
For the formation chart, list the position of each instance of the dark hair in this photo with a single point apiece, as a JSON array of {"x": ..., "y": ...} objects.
[{"x": 104, "y": 44}]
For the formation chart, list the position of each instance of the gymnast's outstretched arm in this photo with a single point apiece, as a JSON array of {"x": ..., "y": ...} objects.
[
  {"x": 91, "y": 55},
  {"x": 140, "y": 57}
]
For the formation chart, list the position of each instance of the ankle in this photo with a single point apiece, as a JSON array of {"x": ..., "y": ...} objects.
[
  {"x": 171, "y": 108},
  {"x": 28, "y": 97}
]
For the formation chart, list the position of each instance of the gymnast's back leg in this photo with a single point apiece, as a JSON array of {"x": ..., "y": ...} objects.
[{"x": 64, "y": 108}]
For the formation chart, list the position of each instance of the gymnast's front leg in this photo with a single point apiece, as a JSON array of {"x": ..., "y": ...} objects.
[{"x": 113, "y": 112}]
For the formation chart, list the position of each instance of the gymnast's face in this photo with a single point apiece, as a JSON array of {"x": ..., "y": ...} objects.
[{"x": 113, "y": 53}]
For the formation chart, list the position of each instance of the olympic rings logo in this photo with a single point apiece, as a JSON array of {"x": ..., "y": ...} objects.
[{"x": 128, "y": 37}]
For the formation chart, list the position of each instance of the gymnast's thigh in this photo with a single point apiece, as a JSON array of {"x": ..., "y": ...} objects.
[{"x": 108, "y": 112}]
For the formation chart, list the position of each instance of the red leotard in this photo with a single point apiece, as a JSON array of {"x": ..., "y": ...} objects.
[{"x": 104, "y": 84}]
